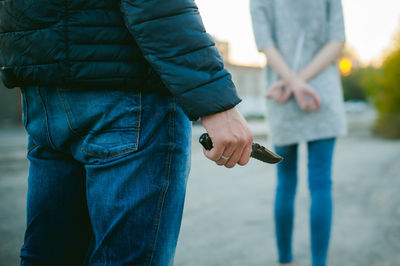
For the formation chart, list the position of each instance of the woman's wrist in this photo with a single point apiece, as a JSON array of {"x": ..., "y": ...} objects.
[
  {"x": 302, "y": 76},
  {"x": 294, "y": 83}
]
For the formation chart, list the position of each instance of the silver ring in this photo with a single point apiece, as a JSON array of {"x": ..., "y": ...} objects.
[{"x": 224, "y": 158}]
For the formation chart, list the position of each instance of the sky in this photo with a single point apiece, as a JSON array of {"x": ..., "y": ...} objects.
[{"x": 370, "y": 26}]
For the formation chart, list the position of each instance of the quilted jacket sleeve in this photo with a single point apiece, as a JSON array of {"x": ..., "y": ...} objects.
[{"x": 171, "y": 36}]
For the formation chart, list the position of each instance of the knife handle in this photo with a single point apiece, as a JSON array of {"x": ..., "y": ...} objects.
[{"x": 205, "y": 140}]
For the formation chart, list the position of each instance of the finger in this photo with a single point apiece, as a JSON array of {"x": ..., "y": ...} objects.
[
  {"x": 314, "y": 95},
  {"x": 226, "y": 155},
  {"x": 221, "y": 162},
  {"x": 216, "y": 152},
  {"x": 275, "y": 90},
  {"x": 278, "y": 84},
  {"x": 245, "y": 151},
  {"x": 209, "y": 155},
  {"x": 308, "y": 96},
  {"x": 274, "y": 93},
  {"x": 301, "y": 102},
  {"x": 311, "y": 106},
  {"x": 314, "y": 102},
  {"x": 244, "y": 159},
  {"x": 309, "y": 102},
  {"x": 306, "y": 106},
  {"x": 317, "y": 100},
  {"x": 235, "y": 157},
  {"x": 285, "y": 95},
  {"x": 237, "y": 149}
]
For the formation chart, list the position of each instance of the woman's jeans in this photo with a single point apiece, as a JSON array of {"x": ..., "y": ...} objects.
[
  {"x": 107, "y": 177},
  {"x": 319, "y": 182}
]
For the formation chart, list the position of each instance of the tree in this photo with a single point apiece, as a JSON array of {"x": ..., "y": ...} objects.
[
  {"x": 353, "y": 86},
  {"x": 385, "y": 88}
]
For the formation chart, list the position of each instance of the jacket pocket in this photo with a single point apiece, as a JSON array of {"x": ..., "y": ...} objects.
[{"x": 107, "y": 121}]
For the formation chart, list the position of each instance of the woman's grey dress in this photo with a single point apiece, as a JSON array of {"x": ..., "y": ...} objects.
[{"x": 299, "y": 29}]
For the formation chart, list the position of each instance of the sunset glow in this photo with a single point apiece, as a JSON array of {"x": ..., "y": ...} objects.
[
  {"x": 345, "y": 66},
  {"x": 370, "y": 25}
]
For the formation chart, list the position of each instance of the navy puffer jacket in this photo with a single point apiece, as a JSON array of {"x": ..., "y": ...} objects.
[{"x": 149, "y": 45}]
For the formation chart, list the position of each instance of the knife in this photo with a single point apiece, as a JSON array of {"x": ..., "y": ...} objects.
[{"x": 258, "y": 151}]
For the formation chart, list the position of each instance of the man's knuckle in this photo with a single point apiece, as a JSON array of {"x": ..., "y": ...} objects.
[
  {"x": 242, "y": 141},
  {"x": 225, "y": 141},
  {"x": 235, "y": 139}
]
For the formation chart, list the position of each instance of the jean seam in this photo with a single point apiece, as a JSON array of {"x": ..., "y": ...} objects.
[
  {"x": 165, "y": 187},
  {"x": 67, "y": 115},
  {"x": 46, "y": 118},
  {"x": 115, "y": 154},
  {"x": 32, "y": 147},
  {"x": 25, "y": 111},
  {"x": 138, "y": 118}
]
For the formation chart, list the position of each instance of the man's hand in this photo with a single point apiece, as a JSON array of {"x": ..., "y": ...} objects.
[{"x": 231, "y": 137}]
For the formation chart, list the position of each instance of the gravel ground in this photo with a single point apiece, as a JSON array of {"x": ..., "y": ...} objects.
[{"x": 228, "y": 212}]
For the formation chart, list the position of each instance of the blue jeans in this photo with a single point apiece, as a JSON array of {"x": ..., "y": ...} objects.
[
  {"x": 320, "y": 154},
  {"x": 107, "y": 177}
]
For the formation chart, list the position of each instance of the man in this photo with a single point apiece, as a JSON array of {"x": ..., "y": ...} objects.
[{"x": 108, "y": 87}]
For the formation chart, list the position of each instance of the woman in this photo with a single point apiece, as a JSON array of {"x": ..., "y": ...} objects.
[{"x": 302, "y": 39}]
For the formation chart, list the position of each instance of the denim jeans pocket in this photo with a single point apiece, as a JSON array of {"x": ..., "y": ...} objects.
[
  {"x": 110, "y": 143},
  {"x": 107, "y": 121}
]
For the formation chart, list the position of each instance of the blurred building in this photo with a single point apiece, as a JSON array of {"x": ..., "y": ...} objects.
[
  {"x": 10, "y": 106},
  {"x": 249, "y": 80},
  {"x": 223, "y": 48}
]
